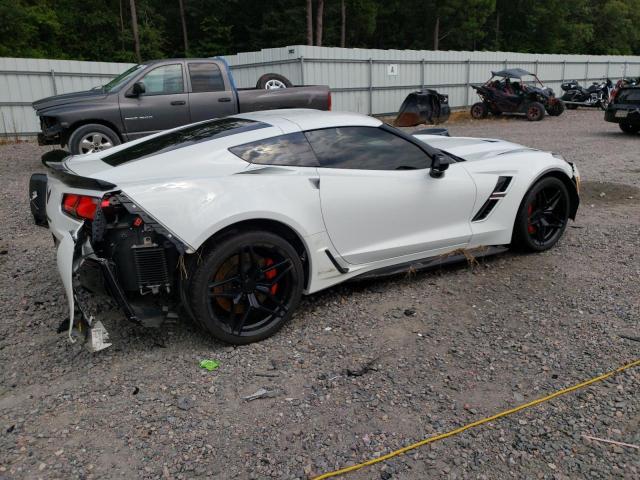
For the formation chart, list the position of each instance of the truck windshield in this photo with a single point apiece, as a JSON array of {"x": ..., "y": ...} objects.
[{"x": 121, "y": 79}]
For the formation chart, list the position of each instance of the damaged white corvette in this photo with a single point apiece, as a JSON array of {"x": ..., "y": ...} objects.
[{"x": 231, "y": 220}]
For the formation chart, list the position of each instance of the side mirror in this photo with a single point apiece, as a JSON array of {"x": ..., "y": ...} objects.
[
  {"x": 438, "y": 165},
  {"x": 137, "y": 89}
]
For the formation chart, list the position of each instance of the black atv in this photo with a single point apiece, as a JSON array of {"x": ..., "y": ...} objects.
[{"x": 506, "y": 92}]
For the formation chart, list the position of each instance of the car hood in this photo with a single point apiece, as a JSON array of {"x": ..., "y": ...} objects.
[
  {"x": 67, "y": 98},
  {"x": 473, "y": 149}
]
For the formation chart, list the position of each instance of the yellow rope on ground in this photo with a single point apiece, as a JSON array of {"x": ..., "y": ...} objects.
[{"x": 477, "y": 423}]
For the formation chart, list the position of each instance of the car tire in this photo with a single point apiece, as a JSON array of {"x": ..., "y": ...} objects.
[
  {"x": 479, "y": 110},
  {"x": 556, "y": 109},
  {"x": 92, "y": 138},
  {"x": 246, "y": 287},
  {"x": 628, "y": 128},
  {"x": 542, "y": 217},
  {"x": 270, "y": 81},
  {"x": 535, "y": 112}
]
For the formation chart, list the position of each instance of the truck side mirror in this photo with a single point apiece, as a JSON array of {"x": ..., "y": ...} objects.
[{"x": 137, "y": 89}]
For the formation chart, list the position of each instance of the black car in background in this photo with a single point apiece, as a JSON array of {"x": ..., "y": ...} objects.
[{"x": 624, "y": 109}]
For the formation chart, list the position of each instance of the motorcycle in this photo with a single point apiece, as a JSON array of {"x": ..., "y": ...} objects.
[{"x": 596, "y": 95}]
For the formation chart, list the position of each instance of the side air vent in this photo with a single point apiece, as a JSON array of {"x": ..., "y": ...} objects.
[
  {"x": 498, "y": 193},
  {"x": 502, "y": 185},
  {"x": 485, "y": 210}
]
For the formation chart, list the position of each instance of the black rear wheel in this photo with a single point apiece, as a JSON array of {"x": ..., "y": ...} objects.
[
  {"x": 556, "y": 109},
  {"x": 628, "y": 128},
  {"x": 247, "y": 287},
  {"x": 535, "y": 112},
  {"x": 542, "y": 217}
]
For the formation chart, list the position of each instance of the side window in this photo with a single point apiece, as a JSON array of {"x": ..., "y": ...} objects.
[
  {"x": 205, "y": 77},
  {"x": 365, "y": 148},
  {"x": 164, "y": 80},
  {"x": 288, "y": 150}
]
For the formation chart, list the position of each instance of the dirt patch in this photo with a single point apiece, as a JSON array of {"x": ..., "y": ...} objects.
[{"x": 609, "y": 193}]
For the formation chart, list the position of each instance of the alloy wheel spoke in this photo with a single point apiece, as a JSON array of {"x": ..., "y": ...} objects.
[
  {"x": 235, "y": 278},
  {"x": 253, "y": 259},
  {"x": 233, "y": 295},
  {"x": 280, "y": 305},
  {"x": 276, "y": 265},
  {"x": 281, "y": 274},
  {"x": 239, "y": 324},
  {"x": 241, "y": 271},
  {"x": 552, "y": 202}
]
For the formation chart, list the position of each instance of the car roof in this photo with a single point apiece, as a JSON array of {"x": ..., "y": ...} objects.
[{"x": 303, "y": 119}]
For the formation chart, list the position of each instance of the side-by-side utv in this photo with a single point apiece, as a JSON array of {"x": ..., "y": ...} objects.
[{"x": 507, "y": 93}]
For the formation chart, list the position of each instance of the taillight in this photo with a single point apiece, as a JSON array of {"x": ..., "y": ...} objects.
[
  {"x": 80, "y": 206},
  {"x": 329, "y": 101}
]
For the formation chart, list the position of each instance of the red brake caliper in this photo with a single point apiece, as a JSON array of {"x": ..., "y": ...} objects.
[
  {"x": 270, "y": 275},
  {"x": 530, "y": 228}
]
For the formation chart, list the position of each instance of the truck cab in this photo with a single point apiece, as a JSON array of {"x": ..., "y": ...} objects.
[{"x": 155, "y": 96}]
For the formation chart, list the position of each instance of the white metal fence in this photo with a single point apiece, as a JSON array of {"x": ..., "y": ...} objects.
[{"x": 366, "y": 81}]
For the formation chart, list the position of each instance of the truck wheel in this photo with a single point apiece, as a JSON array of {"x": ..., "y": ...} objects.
[
  {"x": 270, "y": 81},
  {"x": 535, "y": 112},
  {"x": 91, "y": 138}
]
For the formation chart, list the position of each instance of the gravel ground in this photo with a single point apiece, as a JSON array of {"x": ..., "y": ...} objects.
[{"x": 362, "y": 369}]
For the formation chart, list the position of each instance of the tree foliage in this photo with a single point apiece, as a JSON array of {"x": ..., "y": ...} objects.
[{"x": 101, "y": 29}]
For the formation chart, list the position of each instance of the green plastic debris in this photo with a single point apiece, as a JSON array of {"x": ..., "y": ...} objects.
[{"x": 209, "y": 364}]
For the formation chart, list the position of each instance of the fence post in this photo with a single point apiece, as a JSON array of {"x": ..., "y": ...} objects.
[
  {"x": 466, "y": 101},
  {"x": 370, "y": 86},
  {"x": 608, "y": 67},
  {"x": 53, "y": 82},
  {"x": 564, "y": 69},
  {"x": 301, "y": 70},
  {"x": 505, "y": 63},
  {"x": 586, "y": 72},
  {"x": 624, "y": 72},
  {"x": 535, "y": 68},
  {"x": 422, "y": 74}
]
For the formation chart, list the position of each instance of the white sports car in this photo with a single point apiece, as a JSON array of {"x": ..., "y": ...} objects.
[{"x": 233, "y": 219}]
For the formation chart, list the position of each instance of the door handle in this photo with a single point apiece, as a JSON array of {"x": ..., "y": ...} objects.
[
  {"x": 178, "y": 102},
  {"x": 224, "y": 99}
]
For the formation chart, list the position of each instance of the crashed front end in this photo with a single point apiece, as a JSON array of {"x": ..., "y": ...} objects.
[{"x": 107, "y": 248}]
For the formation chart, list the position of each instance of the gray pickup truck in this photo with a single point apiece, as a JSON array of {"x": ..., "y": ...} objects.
[{"x": 156, "y": 96}]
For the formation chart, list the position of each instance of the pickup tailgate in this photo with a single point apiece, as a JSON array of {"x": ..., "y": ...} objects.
[{"x": 316, "y": 96}]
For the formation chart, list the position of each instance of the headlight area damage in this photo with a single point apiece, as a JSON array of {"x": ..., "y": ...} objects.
[{"x": 108, "y": 249}]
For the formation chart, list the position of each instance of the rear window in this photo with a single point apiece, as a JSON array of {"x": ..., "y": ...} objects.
[
  {"x": 205, "y": 77},
  {"x": 184, "y": 137},
  {"x": 289, "y": 150}
]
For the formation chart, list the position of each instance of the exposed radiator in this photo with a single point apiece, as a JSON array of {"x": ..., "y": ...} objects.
[{"x": 151, "y": 266}]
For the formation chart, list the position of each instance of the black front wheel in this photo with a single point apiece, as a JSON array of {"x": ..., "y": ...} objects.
[
  {"x": 247, "y": 287},
  {"x": 479, "y": 110},
  {"x": 542, "y": 217},
  {"x": 535, "y": 112},
  {"x": 628, "y": 128}
]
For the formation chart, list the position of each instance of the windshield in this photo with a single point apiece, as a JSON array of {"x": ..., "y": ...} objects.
[{"x": 123, "y": 78}]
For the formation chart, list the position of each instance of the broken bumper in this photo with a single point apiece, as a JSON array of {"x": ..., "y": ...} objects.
[{"x": 79, "y": 266}]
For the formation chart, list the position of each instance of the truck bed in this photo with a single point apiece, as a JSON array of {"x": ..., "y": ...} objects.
[{"x": 253, "y": 99}]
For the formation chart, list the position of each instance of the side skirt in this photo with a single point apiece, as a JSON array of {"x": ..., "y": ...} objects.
[{"x": 432, "y": 262}]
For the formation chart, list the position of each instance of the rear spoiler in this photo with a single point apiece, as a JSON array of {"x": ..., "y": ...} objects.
[{"x": 54, "y": 161}]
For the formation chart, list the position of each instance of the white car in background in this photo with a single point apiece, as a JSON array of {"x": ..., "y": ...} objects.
[{"x": 233, "y": 219}]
